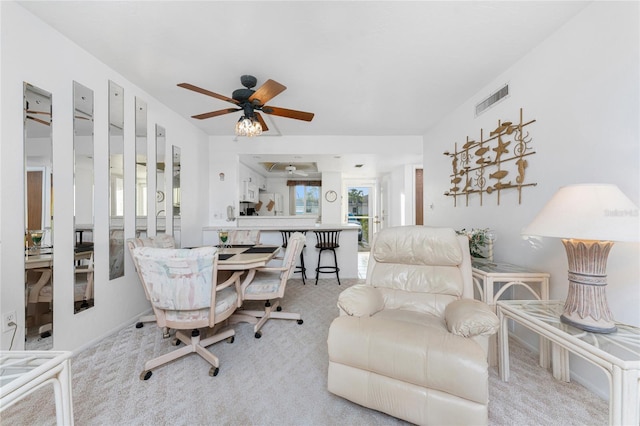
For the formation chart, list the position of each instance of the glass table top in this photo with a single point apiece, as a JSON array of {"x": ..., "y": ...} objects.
[
  {"x": 623, "y": 344},
  {"x": 17, "y": 365},
  {"x": 492, "y": 266}
]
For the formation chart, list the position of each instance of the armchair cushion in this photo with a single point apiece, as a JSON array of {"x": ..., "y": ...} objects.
[
  {"x": 361, "y": 301},
  {"x": 468, "y": 318},
  {"x": 264, "y": 283}
]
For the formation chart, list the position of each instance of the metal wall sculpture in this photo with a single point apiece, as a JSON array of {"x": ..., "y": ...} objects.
[{"x": 493, "y": 165}]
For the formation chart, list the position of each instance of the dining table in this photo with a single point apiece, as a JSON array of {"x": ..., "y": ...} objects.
[{"x": 245, "y": 258}]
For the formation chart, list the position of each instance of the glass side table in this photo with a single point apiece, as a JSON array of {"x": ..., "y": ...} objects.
[
  {"x": 617, "y": 354},
  {"x": 493, "y": 278},
  {"x": 23, "y": 372}
]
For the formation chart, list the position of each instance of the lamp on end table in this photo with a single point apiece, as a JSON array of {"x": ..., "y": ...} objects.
[{"x": 588, "y": 218}]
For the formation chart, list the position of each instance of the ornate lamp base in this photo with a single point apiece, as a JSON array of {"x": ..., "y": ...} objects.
[{"x": 586, "y": 306}]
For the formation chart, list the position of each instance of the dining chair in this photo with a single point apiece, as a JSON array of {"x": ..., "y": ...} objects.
[
  {"x": 183, "y": 288},
  {"x": 83, "y": 289},
  {"x": 244, "y": 237},
  {"x": 269, "y": 284},
  {"x": 158, "y": 241},
  {"x": 328, "y": 240},
  {"x": 286, "y": 234},
  {"x": 40, "y": 291}
]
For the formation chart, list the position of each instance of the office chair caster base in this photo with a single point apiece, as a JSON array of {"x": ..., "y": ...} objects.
[
  {"x": 139, "y": 325},
  {"x": 176, "y": 342},
  {"x": 258, "y": 334},
  {"x": 300, "y": 321},
  {"x": 231, "y": 339},
  {"x": 279, "y": 308},
  {"x": 145, "y": 375},
  {"x": 213, "y": 371}
]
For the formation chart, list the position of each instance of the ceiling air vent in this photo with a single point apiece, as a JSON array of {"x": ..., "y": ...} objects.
[{"x": 494, "y": 98}]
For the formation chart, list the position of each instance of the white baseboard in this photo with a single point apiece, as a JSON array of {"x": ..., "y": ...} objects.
[{"x": 128, "y": 323}]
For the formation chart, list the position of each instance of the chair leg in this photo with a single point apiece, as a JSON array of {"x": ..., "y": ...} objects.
[
  {"x": 331, "y": 269},
  {"x": 303, "y": 270},
  {"x": 335, "y": 260},
  {"x": 173, "y": 355},
  {"x": 192, "y": 343},
  {"x": 318, "y": 266}
]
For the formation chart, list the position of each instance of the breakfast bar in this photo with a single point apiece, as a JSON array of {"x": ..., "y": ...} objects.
[{"x": 270, "y": 227}]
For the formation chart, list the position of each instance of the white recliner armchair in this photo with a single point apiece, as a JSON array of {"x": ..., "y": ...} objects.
[{"x": 412, "y": 342}]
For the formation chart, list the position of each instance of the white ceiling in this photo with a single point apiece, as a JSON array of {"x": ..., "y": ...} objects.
[{"x": 363, "y": 68}]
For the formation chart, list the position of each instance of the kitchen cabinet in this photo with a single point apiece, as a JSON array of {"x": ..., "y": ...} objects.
[{"x": 251, "y": 182}]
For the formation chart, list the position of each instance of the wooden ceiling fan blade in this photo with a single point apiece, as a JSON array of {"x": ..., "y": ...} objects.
[
  {"x": 269, "y": 90},
  {"x": 207, "y": 92},
  {"x": 37, "y": 120},
  {"x": 215, "y": 113},
  {"x": 38, "y": 112},
  {"x": 289, "y": 113},
  {"x": 261, "y": 120}
]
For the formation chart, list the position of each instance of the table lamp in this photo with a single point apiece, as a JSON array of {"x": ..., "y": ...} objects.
[{"x": 588, "y": 218}]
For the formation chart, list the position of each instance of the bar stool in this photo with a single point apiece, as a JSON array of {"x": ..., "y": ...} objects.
[
  {"x": 301, "y": 268},
  {"x": 328, "y": 240}
]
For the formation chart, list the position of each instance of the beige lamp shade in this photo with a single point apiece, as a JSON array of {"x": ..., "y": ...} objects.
[{"x": 588, "y": 212}]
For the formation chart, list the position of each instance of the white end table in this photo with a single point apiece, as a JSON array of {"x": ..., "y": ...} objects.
[
  {"x": 493, "y": 278},
  {"x": 23, "y": 372},
  {"x": 617, "y": 354}
]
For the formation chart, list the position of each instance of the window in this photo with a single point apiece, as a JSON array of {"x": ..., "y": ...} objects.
[{"x": 304, "y": 197}]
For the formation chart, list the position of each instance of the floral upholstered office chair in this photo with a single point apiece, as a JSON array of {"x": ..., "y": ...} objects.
[
  {"x": 159, "y": 241},
  {"x": 185, "y": 295},
  {"x": 244, "y": 237},
  {"x": 269, "y": 283}
]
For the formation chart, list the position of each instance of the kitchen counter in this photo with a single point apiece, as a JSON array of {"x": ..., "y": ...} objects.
[
  {"x": 276, "y": 221},
  {"x": 347, "y": 253}
]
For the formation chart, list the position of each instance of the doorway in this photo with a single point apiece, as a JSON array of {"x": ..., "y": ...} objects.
[
  {"x": 362, "y": 211},
  {"x": 419, "y": 186}
]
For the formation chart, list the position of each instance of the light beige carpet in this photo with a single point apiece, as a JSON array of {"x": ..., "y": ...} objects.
[{"x": 279, "y": 379}]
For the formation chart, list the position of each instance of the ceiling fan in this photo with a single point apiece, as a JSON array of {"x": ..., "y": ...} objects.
[
  {"x": 46, "y": 119},
  {"x": 292, "y": 170},
  {"x": 251, "y": 101}
]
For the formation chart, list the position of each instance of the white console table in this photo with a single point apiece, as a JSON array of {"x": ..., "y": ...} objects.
[
  {"x": 617, "y": 354},
  {"x": 23, "y": 372}
]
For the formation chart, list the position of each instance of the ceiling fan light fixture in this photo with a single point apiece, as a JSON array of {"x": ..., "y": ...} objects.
[{"x": 248, "y": 127}]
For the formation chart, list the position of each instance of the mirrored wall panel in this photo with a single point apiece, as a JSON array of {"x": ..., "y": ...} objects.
[
  {"x": 116, "y": 181},
  {"x": 38, "y": 201},
  {"x": 141, "y": 168},
  {"x": 161, "y": 202},
  {"x": 176, "y": 194},
  {"x": 83, "y": 171}
]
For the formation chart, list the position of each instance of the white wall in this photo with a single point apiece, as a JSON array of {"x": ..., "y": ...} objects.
[
  {"x": 33, "y": 52},
  {"x": 581, "y": 85}
]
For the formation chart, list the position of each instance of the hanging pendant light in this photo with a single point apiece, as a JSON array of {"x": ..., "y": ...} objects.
[{"x": 248, "y": 127}]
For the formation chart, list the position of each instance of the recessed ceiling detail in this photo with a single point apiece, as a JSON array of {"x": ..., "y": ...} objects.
[{"x": 290, "y": 167}]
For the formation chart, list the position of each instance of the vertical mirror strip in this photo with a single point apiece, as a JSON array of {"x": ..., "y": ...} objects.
[
  {"x": 83, "y": 172},
  {"x": 38, "y": 203},
  {"x": 141, "y": 168},
  {"x": 161, "y": 207},
  {"x": 116, "y": 181},
  {"x": 176, "y": 195}
]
